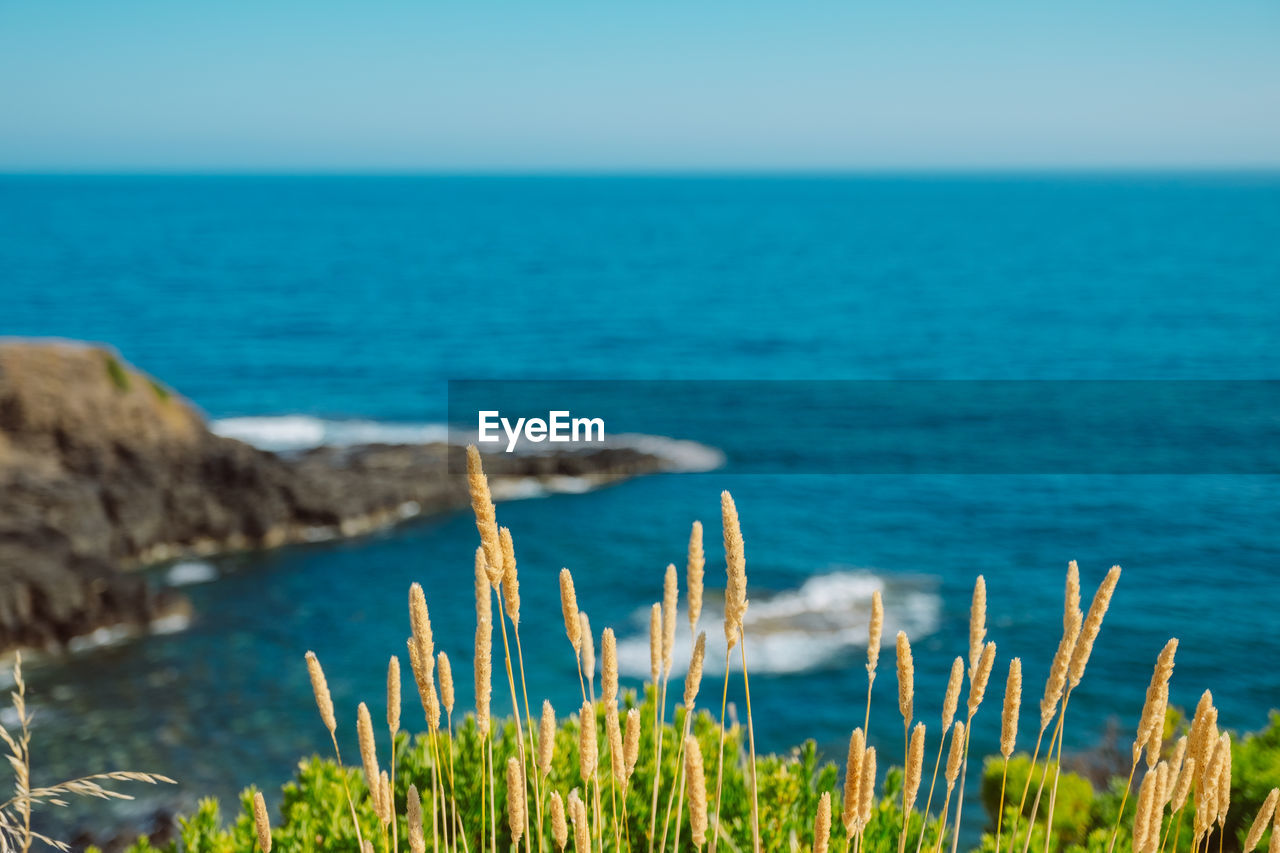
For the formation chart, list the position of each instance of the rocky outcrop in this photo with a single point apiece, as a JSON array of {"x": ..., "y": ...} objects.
[{"x": 102, "y": 469}]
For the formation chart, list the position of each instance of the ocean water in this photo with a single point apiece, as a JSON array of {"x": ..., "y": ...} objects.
[{"x": 297, "y": 311}]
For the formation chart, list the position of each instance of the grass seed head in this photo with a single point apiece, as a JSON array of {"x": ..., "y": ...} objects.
[
  {"x": 956, "y": 756},
  {"x": 914, "y": 771},
  {"x": 413, "y": 814},
  {"x": 694, "y": 569},
  {"x": 670, "y": 601},
  {"x": 393, "y": 695},
  {"x": 853, "y": 779},
  {"x": 486, "y": 523},
  {"x": 546, "y": 738},
  {"x": 510, "y": 581},
  {"x": 952, "y": 697},
  {"x": 867, "y": 787},
  {"x": 631, "y": 741},
  {"x": 822, "y": 824},
  {"x": 735, "y": 592},
  {"x": 1261, "y": 822},
  {"x": 980, "y": 676},
  {"x": 655, "y": 643},
  {"x": 609, "y": 667},
  {"x": 874, "y": 629},
  {"x": 906, "y": 678},
  {"x": 446, "y": 683},
  {"x": 697, "y": 790},
  {"x": 569, "y": 607},
  {"x": 587, "y": 748},
  {"x": 559, "y": 828},
  {"x": 1092, "y": 625},
  {"x": 588, "y": 646},
  {"x": 977, "y": 622},
  {"x": 320, "y": 687},
  {"x": 1009, "y": 714},
  {"x": 368, "y": 751},
  {"x": 693, "y": 678},
  {"x": 261, "y": 823},
  {"x": 515, "y": 799}
]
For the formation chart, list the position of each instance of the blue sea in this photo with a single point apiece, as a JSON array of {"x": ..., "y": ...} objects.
[{"x": 300, "y": 310}]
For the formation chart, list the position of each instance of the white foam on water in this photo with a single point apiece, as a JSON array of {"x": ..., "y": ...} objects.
[
  {"x": 819, "y": 624},
  {"x": 304, "y": 432},
  {"x": 190, "y": 572}
]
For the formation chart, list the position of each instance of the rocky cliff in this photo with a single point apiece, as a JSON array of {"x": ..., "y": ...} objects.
[{"x": 103, "y": 469}]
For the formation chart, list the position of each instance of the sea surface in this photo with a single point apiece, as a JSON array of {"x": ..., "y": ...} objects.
[{"x": 305, "y": 310}]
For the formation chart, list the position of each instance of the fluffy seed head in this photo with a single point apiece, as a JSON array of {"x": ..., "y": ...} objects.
[
  {"x": 822, "y": 824},
  {"x": 697, "y": 790},
  {"x": 384, "y": 799},
  {"x": 515, "y": 799},
  {"x": 546, "y": 738},
  {"x": 906, "y": 677},
  {"x": 510, "y": 582},
  {"x": 655, "y": 643},
  {"x": 484, "y": 676},
  {"x": 977, "y": 622},
  {"x": 559, "y": 828},
  {"x": 581, "y": 823},
  {"x": 693, "y": 575},
  {"x": 1183, "y": 786},
  {"x": 693, "y": 678},
  {"x": 915, "y": 767},
  {"x": 613, "y": 731},
  {"x": 425, "y": 683},
  {"x": 867, "y": 787},
  {"x": 413, "y": 813},
  {"x": 609, "y": 667},
  {"x": 368, "y": 752},
  {"x": 1009, "y": 716},
  {"x": 952, "y": 697},
  {"x": 261, "y": 823},
  {"x": 1224, "y": 779},
  {"x": 853, "y": 779},
  {"x": 874, "y": 629},
  {"x": 956, "y": 756},
  {"x": 1071, "y": 605},
  {"x": 1057, "y": 679},
  {"x": 587, "y": 750},
  {"x": 1261, "y": 822},
  {"x": 569, "y": 606},
  {"x": 484, "y": 603},
  {"x": 446, "y": 683},
  {"x": 1151, "y": 724},
  {"x": 420, "y": 624},
  {"x": 588, "y": 646},
  {"x": 735, "y": 592},
  {"x": 393, "y": 695},
  {"x": 1092, "y": 625},
  {"x": 670, "y": 600},
  {"x": 1142, "y": 813},
  {"x": 631, "y": 741},
  {"x": 980, "y": 676},
  {"x": 320, "y": 687},
  {"x": 482, "y": 506}
]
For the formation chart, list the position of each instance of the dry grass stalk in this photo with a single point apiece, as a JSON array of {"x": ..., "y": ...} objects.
[
  {"x": 484, "y": 676},
  {"x": 951, "y": 699},
  {"x": 587, "y": 742},
  {"x": 867, "y": 787},
  {"x": 546, "y": 738},
  {"x": 906, "y": 679},
  {"x": 694, "y": 569},
  {"x": 1071, "y": 606},
  {"x": 670, "y": 599},
  {"x": 510, "y": 578},
  {"x": 697, "y": 784},
  {"x": 559, "y": 828},
  {"x": 913, "y": 773},
  {"x": 693, "y": 678},
  {"x": 631, "y": 742},
  {"x": 1261, "y": 822},
  {"x": 1057, "y": 679},
  {"x": 980, "y": 676},
  {"x": 261, "y": 823},
  {"x": 1151, "y": 724},
  {"x": 655, "y": 644},
  {"x": 320, "y": 687},
  {"x": 413, "y": 815},
  {"x": 515, "y": 799},
  {"x": 956, "y": 756},
  {"x": 977, "y": 622},
  {"x": 1092, "y": 625},
  {"x": 853, "y": 780},
  {"x": 875, "y": 628},
  {"x": 735, "y": 592},
  {"x": 822, "y": 824},
  {"x": 484, "y": 601},
  {"x": 609, "y": 667},
  {"x": 446, "y": 683},
  {"x": 569, "y": 607},
  {"x": 1009, "y": 714},
  {"x": 486, "y": 523},
  {"x": 368, "y": 754},
  {"x": 588, "y": 651},
  {"x": 393, "y": 696}
]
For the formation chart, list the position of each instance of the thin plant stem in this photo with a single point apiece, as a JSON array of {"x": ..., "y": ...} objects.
[
  {"x": 929, "y": 801},
  {"x": 1057, "y": 770},
  {"x": 493, "y": 801},
  {"x": 659, "y": 732},
  {"x": 1044, "y": 776},
  {"x": 515, "y": 709},
  {"x": 724, "y": 701},
  {"x": 1115, "y": 830},
  {"x": 964, "y": 774},
  {"x": 866, "y": 722},
  {"x": 751, "y": 738},
  {"x": 351, "y": 804},
  {"x": 1004, "y": 778},
  {"x": 1026, "y": 786},
  {"x": 677, "y": 791}
]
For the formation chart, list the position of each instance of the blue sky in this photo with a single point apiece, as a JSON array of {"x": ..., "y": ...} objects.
[{"x": 692, "y": 85}]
